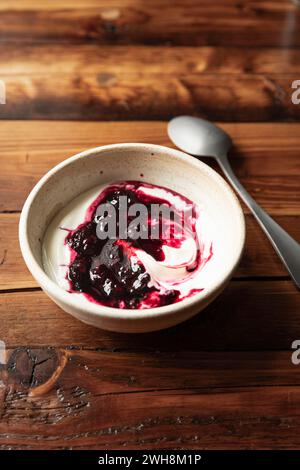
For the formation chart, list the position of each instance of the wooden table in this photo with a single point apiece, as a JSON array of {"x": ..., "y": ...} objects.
[{"x": 92, "y": 72}]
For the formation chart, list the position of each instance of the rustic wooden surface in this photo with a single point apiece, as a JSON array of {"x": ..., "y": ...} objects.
[
  {"x": 89, "y": 82},
  {"x": 225, "y": 378}
]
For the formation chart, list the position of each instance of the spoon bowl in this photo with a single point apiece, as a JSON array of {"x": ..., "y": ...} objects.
[{"x": 198, "y": 136}]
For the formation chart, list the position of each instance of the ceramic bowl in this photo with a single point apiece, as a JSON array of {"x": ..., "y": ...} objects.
[{"x": 153, "y": 164}]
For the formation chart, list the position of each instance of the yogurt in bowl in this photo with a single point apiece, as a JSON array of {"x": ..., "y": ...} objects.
[
  {"x": 158, "y": 261},
  {"x": 129, "y": 245}
]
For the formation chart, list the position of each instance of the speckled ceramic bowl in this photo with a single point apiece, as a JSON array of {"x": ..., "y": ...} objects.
[{"x": 153, "y": 164}]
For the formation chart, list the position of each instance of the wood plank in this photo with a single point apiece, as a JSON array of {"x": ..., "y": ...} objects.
[
  {"x": 57, "y": 59},
  {"x": 29, "y": 149},
  {"x": 103, "y": 400},
  {"x": 147, "y": 421},
  {"x": 267, "y": 320},
  {"x": 111, "y": 372},
  {"x": 137, "y": 94},
  {"x": 235, "y": 420},
  {"x": 263, "y": 23},
  {"x": 259, "y": 258}
]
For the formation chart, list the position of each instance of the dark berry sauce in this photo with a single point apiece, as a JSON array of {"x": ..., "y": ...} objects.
[{"x": 108, "y": 271}]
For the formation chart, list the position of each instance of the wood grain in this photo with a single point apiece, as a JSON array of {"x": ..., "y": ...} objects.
[
  {"x": 259, "y": 258},
  {"x": 147, "y": 421},
  {"x": 92, "y": 82},
  {"x": 211, "y": 400},
  {"x": 248, "y": 23},
  {"x": 42, "y": 59},
  {"x": 139, "y": 97},
  {"x": 29, "y": 149},
  {"x": 249, "y": 315}
]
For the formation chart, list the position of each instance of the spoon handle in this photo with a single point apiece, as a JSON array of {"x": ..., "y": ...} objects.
[{"x": 286, "y": 247}]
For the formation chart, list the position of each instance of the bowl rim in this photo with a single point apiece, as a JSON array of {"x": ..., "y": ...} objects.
[{"x": 97, "y": 310}]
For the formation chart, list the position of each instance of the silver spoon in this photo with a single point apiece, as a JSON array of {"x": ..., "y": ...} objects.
[{"x": 202, "y": 138}]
